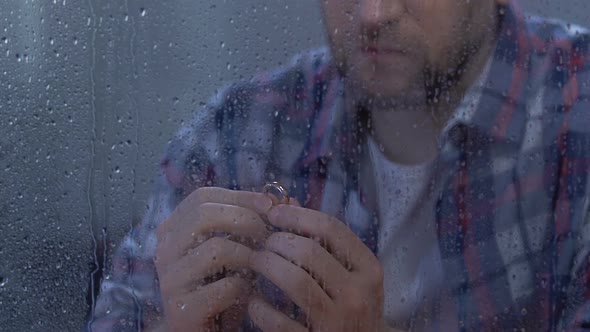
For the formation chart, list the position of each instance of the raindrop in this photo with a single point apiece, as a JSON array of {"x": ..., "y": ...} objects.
[
  {"x": 543, "y": 283},
  {"x": 181, "y": 305}
]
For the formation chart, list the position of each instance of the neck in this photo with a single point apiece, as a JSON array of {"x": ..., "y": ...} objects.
[{"x": 408, "y": 133}]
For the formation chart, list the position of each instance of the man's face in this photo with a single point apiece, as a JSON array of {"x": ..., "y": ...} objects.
[{"x": 385, "y": 46}]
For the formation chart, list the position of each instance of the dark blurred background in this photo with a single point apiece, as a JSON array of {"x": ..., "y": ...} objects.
[{"x": 90, "y": 91}]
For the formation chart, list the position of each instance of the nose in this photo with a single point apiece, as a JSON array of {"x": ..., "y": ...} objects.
[{"x": 377, "y": 13}]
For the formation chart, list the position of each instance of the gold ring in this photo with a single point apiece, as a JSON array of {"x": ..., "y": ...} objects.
[{"x": 277, "y": 191}]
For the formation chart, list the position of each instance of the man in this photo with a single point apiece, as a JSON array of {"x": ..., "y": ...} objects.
[{"x": 438, "y": 158}]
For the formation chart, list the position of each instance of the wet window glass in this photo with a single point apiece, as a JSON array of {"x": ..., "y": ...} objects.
[{"x": 311, "y": 165}]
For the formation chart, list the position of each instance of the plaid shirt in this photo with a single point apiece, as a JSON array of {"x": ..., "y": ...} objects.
[{"x": 510, "y": 182}]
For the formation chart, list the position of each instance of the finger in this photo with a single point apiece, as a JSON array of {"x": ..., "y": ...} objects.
[
  {"x": 198, "y": 309},
  {"x": 338, "y": 238},
  {"x": 293, "y": 280},
  {"x": 313, "y": 258},
  {"x": 220, "y": 295},
  {"x": 269, "y": 319},
  {"x": 214, "y": 217},
  {"x": 254, "y": 201},
  {"x": 242, "y": 224},
  {"x": 183, "y": 213},
  {"x": 294, "y": 202},
  {"x": 216, "y": 255}
]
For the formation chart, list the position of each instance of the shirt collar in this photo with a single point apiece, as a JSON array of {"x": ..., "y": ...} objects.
[
  {"x": 499, "y": 114},
  {"x": 492, "y": 106}
]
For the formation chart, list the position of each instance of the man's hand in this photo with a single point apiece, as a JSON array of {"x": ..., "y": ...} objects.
[
  {"x": 324, "y": 268},
  {"x": 202, "y": 258}
]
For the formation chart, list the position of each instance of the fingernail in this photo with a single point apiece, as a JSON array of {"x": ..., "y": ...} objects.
[{"x": 263, "y": 203}]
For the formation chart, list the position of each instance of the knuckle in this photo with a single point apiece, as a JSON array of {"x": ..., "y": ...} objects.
[
  {"x": 333, "y": 225},
  {"x": 199, "y": 196},
  {"x": 373, "y": 276},
  {"x": 214, "y": 244},
  {"x": 274, "y": 238},
  {"x": 378, "y": 275},
  {"x": 201, "y": 212},
  {"x": 314, "y": 247},
  {"x": 310, "y": 251},
  {"x": 355, "y": 301},
  {"x": 204, "y": 215},
  {"x": 234, "y": 284}
]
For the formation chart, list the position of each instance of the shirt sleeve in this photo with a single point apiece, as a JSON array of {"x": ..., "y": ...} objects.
[
  {"x": 572, "y": 213},
  {"x": 576, "y": 314},
  {"x": 129, "y": 297},
  {"x": 203, "y": 153}
]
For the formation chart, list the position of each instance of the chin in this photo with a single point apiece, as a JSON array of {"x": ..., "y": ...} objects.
[
  {"x": 386, "y": 81},
  {"x": 391, "y": 88},
  {"x": 385, "y": 89}
]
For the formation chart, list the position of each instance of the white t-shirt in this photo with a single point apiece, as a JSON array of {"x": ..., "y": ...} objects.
[{"x": 407, "y": 245}]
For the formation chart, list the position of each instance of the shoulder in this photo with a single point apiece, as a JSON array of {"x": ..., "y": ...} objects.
[
  {"x": 242, "y": 115},
  {"x": 563, "y": 47},
  {"x": 563, "y": 57},
  {"x": 562, "y": 51},
  {"x": 550, "y": 34},
  {"x": 276, "y": 88}
]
